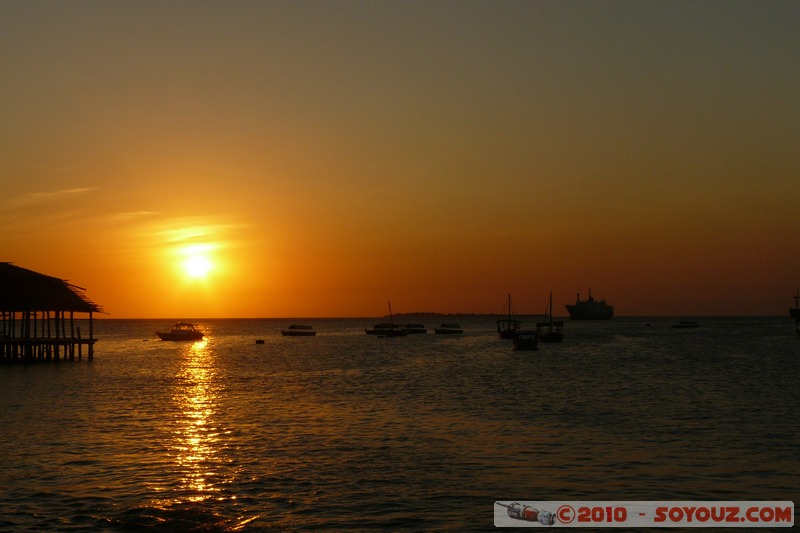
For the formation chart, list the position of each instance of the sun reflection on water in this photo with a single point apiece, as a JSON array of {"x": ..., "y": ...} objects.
[{"x": 197, "y": 440}]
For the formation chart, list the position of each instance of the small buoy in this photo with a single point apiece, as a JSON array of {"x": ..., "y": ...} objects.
[{"x": 259, "y": 341}]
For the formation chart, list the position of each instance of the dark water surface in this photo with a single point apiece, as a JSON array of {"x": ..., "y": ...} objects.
[{"x": 349, "y": 432}]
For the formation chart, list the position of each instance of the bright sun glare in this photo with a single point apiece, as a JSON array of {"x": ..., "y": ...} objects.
[{"x": 197, "y": 266}]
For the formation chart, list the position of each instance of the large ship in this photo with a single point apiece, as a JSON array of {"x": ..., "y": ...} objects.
[{"x": 590, "y": 309}]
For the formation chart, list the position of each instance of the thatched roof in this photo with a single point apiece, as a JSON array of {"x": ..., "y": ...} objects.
[{"x": 26, "y": 290}]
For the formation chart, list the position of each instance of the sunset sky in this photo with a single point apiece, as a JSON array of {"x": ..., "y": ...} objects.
[{"x": 312, "y": 159}]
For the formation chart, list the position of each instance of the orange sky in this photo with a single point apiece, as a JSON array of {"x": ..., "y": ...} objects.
[{"x": 327, "y": 156}]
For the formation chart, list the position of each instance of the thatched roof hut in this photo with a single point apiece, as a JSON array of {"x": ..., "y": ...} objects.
[
  {"x": 25, "y": 290},
  {"x": 37, "y": 316}
]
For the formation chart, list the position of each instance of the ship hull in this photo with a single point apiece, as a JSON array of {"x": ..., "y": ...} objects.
[{"x": 593, "y": 312}]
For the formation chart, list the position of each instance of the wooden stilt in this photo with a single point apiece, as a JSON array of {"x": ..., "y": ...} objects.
[{"x": 91, "y": 337}]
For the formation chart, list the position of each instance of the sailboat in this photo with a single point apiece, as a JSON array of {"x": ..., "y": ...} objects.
[
  {"x": 508, "y": 328},
  {"x": 387, "y": 329},
  {"x": 550, "y": 331}
]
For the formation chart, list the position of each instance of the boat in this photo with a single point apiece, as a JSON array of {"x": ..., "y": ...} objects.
[
  {"x": 686, "y": 324},
  {"x": 380, "y": 328},
  {"x": 448, "y": 329},
  {"x": 550, "y": 331},
  {"x": 794, "y": 312},
  {"x": 415, "y": 328},
  {"x": 299, "y": 330},
  {"x": 508, "y": 328},
  {"x": 526, "y": 340},
  {"x": 387, "y": 329},
  {"x": 181, "y": 331},
  {"x": 590, "y": 309}
]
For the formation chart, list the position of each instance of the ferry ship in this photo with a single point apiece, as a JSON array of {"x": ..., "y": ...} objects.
[{"x": 590, "y": 309}]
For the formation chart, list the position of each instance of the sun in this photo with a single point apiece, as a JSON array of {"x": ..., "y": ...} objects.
[
  {"x": 197, "y": 266},
  {"x": 196, "y": 261}
]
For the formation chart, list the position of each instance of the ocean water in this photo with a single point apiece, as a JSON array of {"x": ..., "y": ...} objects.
[{"x": 350, "y": 432}]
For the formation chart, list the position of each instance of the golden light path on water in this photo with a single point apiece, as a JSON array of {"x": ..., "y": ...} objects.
[
  {"x": 197, "y": 440},
  {"x": 198, "y": 443}
]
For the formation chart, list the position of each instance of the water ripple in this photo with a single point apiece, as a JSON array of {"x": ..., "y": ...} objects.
[{"x": 348, "y": 432}]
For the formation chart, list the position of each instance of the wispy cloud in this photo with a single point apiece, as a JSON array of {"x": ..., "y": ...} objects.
[
  {"x": 44, "y": 197},
  {"x": 128, "y": 216},
  {"x": 192, "y": 230},
  {"x": 149, "y": 232}
]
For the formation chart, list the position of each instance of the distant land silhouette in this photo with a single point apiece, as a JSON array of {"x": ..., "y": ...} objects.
[{"x": 428, "y": 314}]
